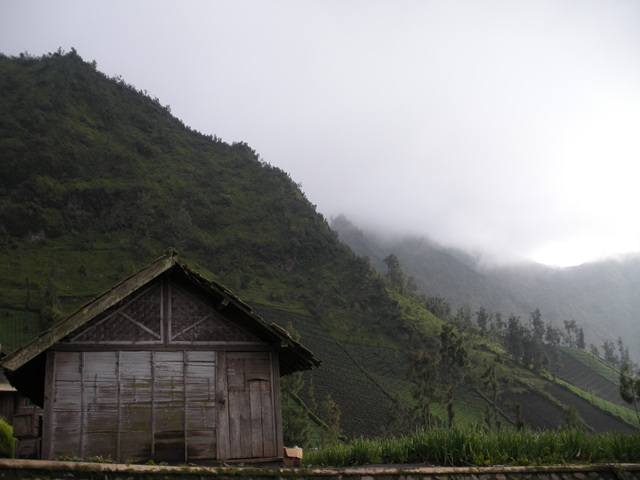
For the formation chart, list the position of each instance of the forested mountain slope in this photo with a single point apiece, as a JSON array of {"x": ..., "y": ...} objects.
[
  {"x": 97, "y": 179},
  {"x": 603, "y": 297}
]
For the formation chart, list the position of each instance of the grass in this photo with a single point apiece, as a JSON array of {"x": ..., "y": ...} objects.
[{"x": 474, "y": 447}]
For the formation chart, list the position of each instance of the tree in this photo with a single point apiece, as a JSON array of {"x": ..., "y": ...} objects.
[
  {"x": 492, "y": 388},
  {"x": 572, "y": 418},
  {"x": 624, "y": 357},
  {"x": 580, "y": 339},
  {"x": 514, "y": 337},
  {"x": 532, "y": 352},
  {"x": 482, "y": 319},
  {"x": 454, "y": 358},
  {"x": 394, "y": 272},
  {"x": 426, "y": 389},
  {"x": 552, "y": 335},
  {"x": 330, "y": 413},
  {"x": 537, "y": 325},
  {"x": 439, "y": 307},
  {"x": 295, "y": 427},
  {"x": 571, "y": 327},
  {"x": 630, "y": 388},
  {"x": 401, "y": 418},
  {"x": 519, "y": 420},
  {"x": 463, "y": 317},
  {"x": 609, "y": 352},
  {"x": 412, "y": 287}
]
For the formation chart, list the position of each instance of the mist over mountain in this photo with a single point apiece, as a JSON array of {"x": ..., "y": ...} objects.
[
  {"x": 603, "y": 296},
  {"x": 97, "y": 179}
]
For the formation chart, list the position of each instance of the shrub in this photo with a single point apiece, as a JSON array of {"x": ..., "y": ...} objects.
[{"x": 7, "y": 442}]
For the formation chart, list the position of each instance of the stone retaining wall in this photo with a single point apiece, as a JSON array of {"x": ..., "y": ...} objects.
[{"x": 47, "y": 470}]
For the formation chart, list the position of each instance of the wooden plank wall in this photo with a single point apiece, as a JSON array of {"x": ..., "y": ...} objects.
[
  {"x": 8, "y": 404},
  {"x": 134, "y": 405},
  {"x": 200, "y": 413}
]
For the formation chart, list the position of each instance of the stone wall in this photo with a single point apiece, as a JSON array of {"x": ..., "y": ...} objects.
[{"x": 47, "y": 470}]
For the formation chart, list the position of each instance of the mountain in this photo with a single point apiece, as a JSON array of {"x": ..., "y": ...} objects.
[
  {"x": 97, "y": 179},
  {"x": 603, "y": 296}
]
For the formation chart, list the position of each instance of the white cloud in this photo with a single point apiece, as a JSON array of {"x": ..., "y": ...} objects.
[{"x": 506, "y": 126}]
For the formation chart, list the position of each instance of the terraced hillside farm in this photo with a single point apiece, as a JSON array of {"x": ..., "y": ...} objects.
[
  {"x": 589, "y": 373},
  {"x": 377, "y": 374},
  {"x": 365, "y": 414},
  {"x": 595, "y": 413}
]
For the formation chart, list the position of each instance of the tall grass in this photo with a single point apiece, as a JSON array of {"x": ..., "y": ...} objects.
[{"x": 466, "y": 447}]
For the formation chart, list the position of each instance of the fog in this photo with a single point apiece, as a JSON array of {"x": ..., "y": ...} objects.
[{"x": 500, "y": 126}]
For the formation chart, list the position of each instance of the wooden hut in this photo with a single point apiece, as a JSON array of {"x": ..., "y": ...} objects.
[
  {"x": 25, "y": 417},
  {"x": 166, "y": 365}
]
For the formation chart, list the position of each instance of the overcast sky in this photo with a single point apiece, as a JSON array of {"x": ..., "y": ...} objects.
[{"x": 512, "y": 127}]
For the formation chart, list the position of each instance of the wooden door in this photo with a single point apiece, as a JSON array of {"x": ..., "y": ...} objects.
[{"x": 251, "y": 407}]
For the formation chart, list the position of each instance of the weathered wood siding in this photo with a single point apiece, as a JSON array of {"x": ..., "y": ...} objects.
[
  {"x": 163, "y": 376},
  {"x": 8, "y": 404},
  {"x": 134, "y": 405}
]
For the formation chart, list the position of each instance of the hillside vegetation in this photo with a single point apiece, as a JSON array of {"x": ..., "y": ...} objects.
[
  {"x": 602, "y": 296},
  {"x": 97, "y": 179}
]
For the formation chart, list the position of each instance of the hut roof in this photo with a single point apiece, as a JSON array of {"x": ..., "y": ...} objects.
[{"x": 30, "y": 358}]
